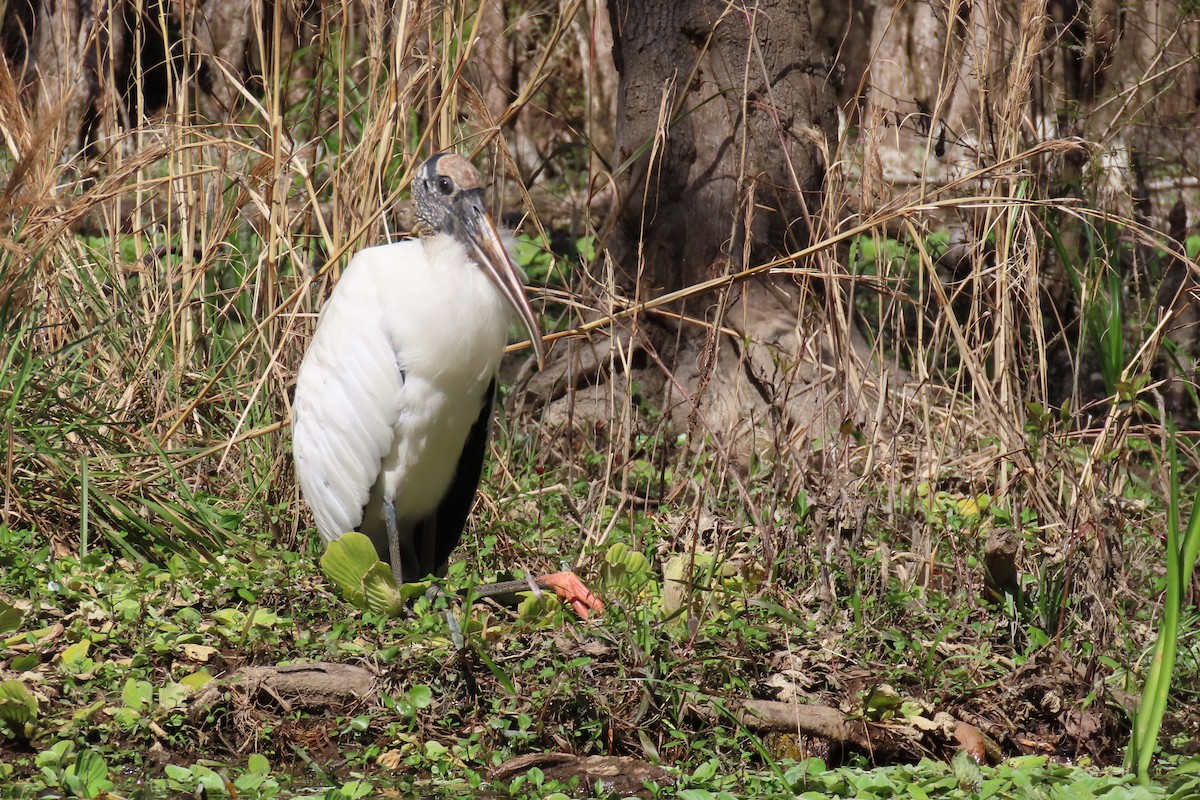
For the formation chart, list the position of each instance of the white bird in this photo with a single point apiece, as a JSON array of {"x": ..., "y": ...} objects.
[{"x": 393, "y": 404}]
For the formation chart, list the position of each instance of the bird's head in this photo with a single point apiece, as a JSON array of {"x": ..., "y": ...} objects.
[{"x": 448, "y": 195}]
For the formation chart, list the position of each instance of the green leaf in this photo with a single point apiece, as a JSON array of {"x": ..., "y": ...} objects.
[
  {"x": 10, "y": 617},
  {"x": 196, "y": 680},
  {"x": 179, "y": 774},
  {"x": 251, "y": 783},
  {"x": 420, "y": 696},
  {"x": 56, "y": 755},
  {"x": 90, "y": 773},
  {"x": 264, "y": 618},
  {"x": 356, "y": 789},
  {"x": 624, "y": 567},
  {"x": 706, "y": 771},
  {"x": 966, "y": 772},
  {"x": 382, "y": 596},
  {"x": 229, "y": 617},
  {"x": 18, "y": 709},
  {"x": 137, "y": 694},
  {"x": 534, "y": 607},
  {"x": 352, "y": 565},
  {"x": 499, "y": 674},
  {"x": 648, "y": 747},
  {"x": 881, "y": 702},
  {"x": 26, "y": 662},
  {"x": 172, "y": 695},
  {"x": 74, "y": 658}
]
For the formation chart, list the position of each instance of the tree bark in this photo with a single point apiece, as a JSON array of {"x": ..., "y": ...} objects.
[
  {"x": 721, "y": 112},
  {"x": 724, "y": 117}
]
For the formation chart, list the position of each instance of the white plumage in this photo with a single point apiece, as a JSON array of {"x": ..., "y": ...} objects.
[
  {"x": 393, "y": 405},
  {"x": 394, "y": 397},
  {"x": 405, "y": 350}
]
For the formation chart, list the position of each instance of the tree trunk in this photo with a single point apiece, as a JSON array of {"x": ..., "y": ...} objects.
[
  {"x": 724, "y": 117},
  {"x": 722, "y": 113}
]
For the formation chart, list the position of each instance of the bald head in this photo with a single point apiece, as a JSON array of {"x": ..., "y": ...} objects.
[
  {"x": 447, "y": 188},
  {"x": 453, "y": 166}
]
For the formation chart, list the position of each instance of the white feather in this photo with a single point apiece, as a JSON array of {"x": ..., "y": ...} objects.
[{"x": 394, "y": 379}]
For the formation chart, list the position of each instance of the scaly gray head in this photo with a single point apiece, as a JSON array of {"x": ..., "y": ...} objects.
[{"x": 448, "y": 195}]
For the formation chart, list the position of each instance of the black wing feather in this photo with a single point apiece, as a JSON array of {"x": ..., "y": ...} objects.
[{"x": 450, "y": 519}]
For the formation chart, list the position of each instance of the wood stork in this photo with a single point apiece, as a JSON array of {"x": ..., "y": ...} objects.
[{"x": 393, "y": 404}]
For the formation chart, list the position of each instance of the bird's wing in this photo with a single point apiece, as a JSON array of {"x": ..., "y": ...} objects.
[
  {"x": 347, "y": 400},
  {"x": 456, "y": 504}
]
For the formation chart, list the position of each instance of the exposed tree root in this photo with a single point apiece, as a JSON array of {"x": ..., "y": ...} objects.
[
  {"x": 898, "y": 740},
  {"x": 620, "y": 775},
  {"x": 320, "y": 684}
]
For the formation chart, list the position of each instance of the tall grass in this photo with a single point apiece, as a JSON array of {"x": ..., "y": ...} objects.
[
  {"x": 1182, "y": 551},
  {"x": 159, "y": 284}
]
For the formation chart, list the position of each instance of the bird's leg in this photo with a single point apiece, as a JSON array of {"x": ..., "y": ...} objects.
[
  {"x": 567, "y": 585},
  {"x": 456, "y": 635},
  {"x": 393, "y": 534}
]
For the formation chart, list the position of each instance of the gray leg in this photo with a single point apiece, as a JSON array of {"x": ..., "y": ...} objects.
[
  {"x": 393, "y": 534},
  {"x": 456, "y": 634}
]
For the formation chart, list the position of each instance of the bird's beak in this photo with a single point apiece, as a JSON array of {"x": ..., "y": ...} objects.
[{"x": 493, "y": 256}]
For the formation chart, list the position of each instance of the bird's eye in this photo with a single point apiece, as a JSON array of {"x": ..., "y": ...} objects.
[{"x": 445, "y": 185}]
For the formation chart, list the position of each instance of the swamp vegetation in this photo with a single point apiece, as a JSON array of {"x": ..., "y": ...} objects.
[{"x": 888, "y": 485}]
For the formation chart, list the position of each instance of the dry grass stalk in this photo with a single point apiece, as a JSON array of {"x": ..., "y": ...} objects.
[{"x": 172, "y": 267}]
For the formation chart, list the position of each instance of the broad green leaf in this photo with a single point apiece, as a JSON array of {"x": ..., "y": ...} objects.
[
  {"x": 537, "y": 606},
  {"x": 18, "y": 709},
  {"x": 179, "y": 774},
  {"x": 420, "y": 696},
  {"x": 26, "y": 662},
  {"x": 208, "y": 780},
  {"x": 10, "y": 617},
  {"x": 706, "y": 771},
  {"x": 265, "y": 618},
  {"x": 916, "y": 792},
  {"x": 196, "y": 680},
  {"x": 624, "y": 567},
  {"x": 172, "y": 695},
  {"x": 347, "y": 562},
  {"x": 229, "y": 617},
  {"x": 137, "y": 694},
  {"x": 57, "y": 754},
  {"x": 881, "y": 702},
  {"x": 75, "y": 656},
  {"x": 357, "y": 789},
  {"x": 250, "y": 783},
  {"x": 379, "y": 588},
  {"x": 90, "y": 773}
]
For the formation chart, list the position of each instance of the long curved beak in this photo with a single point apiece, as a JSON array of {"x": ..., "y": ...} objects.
[{"x": 493, "y": 256}]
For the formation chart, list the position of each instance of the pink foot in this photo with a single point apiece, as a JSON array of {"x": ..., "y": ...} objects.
[{"x": 571, "y": 590}]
